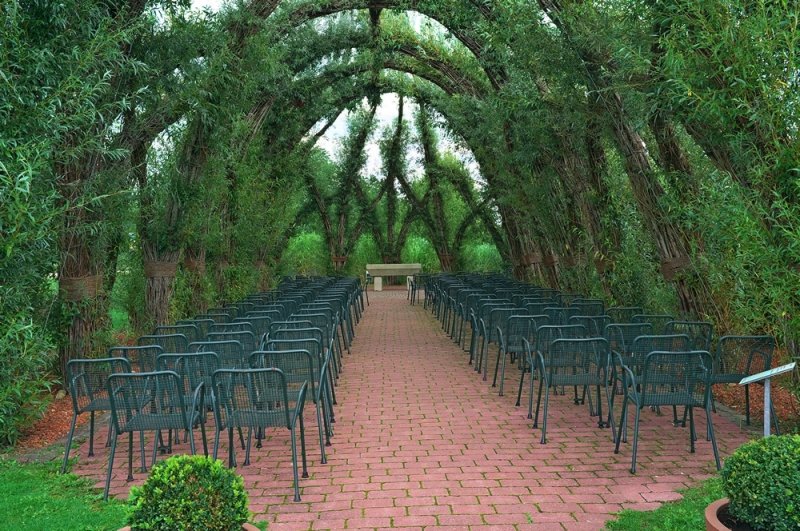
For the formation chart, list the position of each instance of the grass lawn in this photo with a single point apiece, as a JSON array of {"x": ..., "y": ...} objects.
[
  {"x": 686, "y": 513},
  {"x": 34, "y": 497}
]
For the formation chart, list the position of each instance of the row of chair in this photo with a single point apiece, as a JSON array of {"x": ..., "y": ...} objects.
[
  {"x": 252, "y": 366},
  {"x": 651, "y": 360}
]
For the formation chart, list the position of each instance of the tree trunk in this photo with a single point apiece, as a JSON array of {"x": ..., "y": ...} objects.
[
  {"x": 194, "y": 263},
  {"x": 159, "y": 272}
]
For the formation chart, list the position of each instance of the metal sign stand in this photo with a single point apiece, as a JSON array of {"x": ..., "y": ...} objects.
[{"x": 765, "y": 377}]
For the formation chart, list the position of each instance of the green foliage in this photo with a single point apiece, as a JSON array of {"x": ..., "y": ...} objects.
[
  {"x": 686, "y": 513},
  {"x": 419, "y": 250},
  {"x": 305, "y": 255},
  {"x": 36, "y": 496},
  {"x": 189, "y": 492},
  {"x": 481, "y": 257},
  {"x": 25, "y": 376},
  {"x": 762, "y": 481}
]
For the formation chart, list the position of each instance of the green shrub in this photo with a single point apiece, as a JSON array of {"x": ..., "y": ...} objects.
[
  {"x": 762, "y": 481},
  {"x": 189, "y": 492},
  {"x": 25, "y": 376}
]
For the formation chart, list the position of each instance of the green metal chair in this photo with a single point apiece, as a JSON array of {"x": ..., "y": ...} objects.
[
  {"x": 258, "y": 399},
  {"x": 669, "y": 379},
  {"x": 571, "y": 362},
  {"x": 142, "y": 358},
  {"x": 623, "y": 314},
  {"x": 86, "y": 379},
  {"x": 545, "y": 335},
  {"x": 657, "y": 320},
  {"x": 151, "y": 401},
  {"x": 231, "y": 353},
  {"x": 190, "y": 331},
  {"x": 168, "y": 342},
  {"x": 595, "y": 324},
  {"x": 737, "y": 357},
  {"x": 510, "y": 336},
  {"x": 700, "y": 332}
]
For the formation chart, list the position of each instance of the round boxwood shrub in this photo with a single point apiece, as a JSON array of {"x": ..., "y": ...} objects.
[
  {"x": 762, "y": 481},
  {"x": 189, "y": 492}
]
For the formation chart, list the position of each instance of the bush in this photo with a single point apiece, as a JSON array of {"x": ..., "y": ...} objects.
[
  {"x": 189, "y": 492},
  {"x": 25, "y": 376},
  {"x": 762, "y": 481}
]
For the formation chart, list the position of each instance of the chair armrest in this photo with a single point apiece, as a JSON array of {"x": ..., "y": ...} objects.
[{"x": 301, "y": 401}]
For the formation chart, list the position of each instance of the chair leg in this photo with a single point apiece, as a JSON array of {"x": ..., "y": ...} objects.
[
  {"x": 91, "y": 433},
  {"x": 497, "y": 367},
  {"x": 191, "y": 441},
  {"x": 69, "y": 443},
  {"x": 110, "y": 465},
  {"x": 321, "y": 428},
  {"x": 141, "y": 451},
  {"x": 294, "y": 467},
  {"x": 713, "y": 439},
  {"x": 231, "y": 450},
  {"x": 692, "y": 434},
  {"x": 216, "y": 443},
  {"x": 519, "y": 391},
  {"x": 530, "y": 396},
  {"x": 747, "y": 404},
  {"x": 544, "y": 412},
  {"x": 621, "y": 424},
  {"x": 130, "y": 456},
  {"x": 303, "y": 445},
  {"x": 247, "y": 451},
  {"x": 538, "y": 401},
  {"x": 635, "y": 439},
  {"x": 503, "y": 371},
  {"x": 203, "y": 433}
]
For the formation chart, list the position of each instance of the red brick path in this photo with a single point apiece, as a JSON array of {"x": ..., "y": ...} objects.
[{"x": 421, "y": 441}]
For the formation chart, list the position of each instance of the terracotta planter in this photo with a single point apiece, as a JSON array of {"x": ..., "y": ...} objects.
[
  {"x": 717, "y": 518},
  {"x": 245, "y": 527}
]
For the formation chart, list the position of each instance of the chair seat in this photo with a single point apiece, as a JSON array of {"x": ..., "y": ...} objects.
[
  {"x": 672, "y": 399},
  {"x": 98, "y": 404},
  {"x": 575, "y": 379},
  {"x": 148, "y": 422},
  {"x": 258, "y": 418}
]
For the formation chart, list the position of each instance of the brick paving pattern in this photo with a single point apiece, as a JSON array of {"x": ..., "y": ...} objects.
[{"x": 421, "y": 442}]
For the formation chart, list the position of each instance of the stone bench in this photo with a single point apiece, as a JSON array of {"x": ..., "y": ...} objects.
[{"x": 378, "y": 271}]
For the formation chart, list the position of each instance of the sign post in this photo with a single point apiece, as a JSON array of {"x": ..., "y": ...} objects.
[{"x": 765, "y": 377}]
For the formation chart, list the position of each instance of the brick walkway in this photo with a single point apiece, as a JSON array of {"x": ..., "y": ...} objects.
[{"x": 421, "y": 441}]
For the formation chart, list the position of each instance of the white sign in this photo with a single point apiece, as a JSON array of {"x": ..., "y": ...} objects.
[{"x": 768, "y": 374}]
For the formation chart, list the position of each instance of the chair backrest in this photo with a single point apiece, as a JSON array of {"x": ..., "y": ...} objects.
[
  {"x": 537, "y": 308},
  {"x": 87, "y": 379},
  {"x": 231, "y": 353},
  {"x": 623, "y": 314},
  {"x": 142, "y": 358},
  {"x": 298, "y": 366},
  {"x": 674, "y": 378},
  {"x": 259, "y": 325},
  {"x": 308, "y": 344},
  {"x": 588, "y": 307},
  {"x": 658, "y": 320},
  {"x": 230, "y": 311},
  {"x": 558, "y": 315},
  {"x": 644, "y": 345},
  {"x": 595, "y": 324},
  {"x": 190, "y": 331},
  {"x": 251, "y": 398},
  {"x": 157, "y": 395},
  {"x": 498, "y": 317},
  {"x": 699, "y": 332},
  {"x": 246, "y": 339},
  {"x": 233, "y": 326},
  {"x": 288, "y": 325},
  {"x": 217, "y": 317},
  {"x": 194, "y": 368},
  {"x": 203, "y": 325},
  {"x": 545, "y": 335},
  {"x": 523, "y": 327},
  {"x": 744, "y": 355},
  {"x": 582, "y": 355},
  {"x": 168, "y": 342},
  {"x": 621, "y": 335}
]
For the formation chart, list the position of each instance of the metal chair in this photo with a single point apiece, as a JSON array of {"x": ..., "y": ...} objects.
[
  {"x": 86, "y": 379},
  {"x": 571, "y": 362},
  {"x": 657, "y": 320},
  {"x": 699, "y": 332},
  {"x": 142, "y": 358},
  {"x": 168, "y": 342},
  {"x": 258, "y": 399},
  {"x": 518, "y": 327},
  {"x": 231, "y": 353},
  {"x": 669, "y": 379},
  {"x": 738, "y": 357},
  {"x": 623, "y": 314},
  {"x": 151, "y": 401}
]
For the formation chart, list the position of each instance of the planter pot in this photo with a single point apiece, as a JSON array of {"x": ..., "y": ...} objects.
[
  {"x": 718, "y": 519},
  {"x": 245, "y": 527}
]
